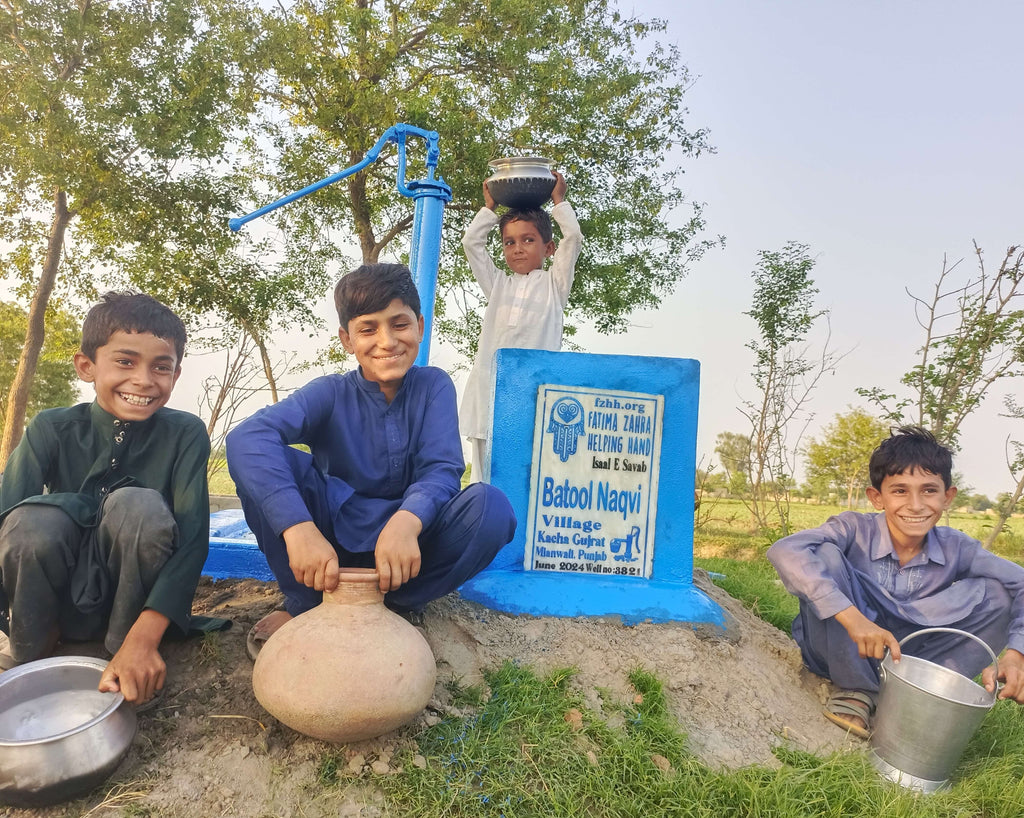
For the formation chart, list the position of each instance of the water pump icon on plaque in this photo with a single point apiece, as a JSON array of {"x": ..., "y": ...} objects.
[{"x": 594, "y": 482}]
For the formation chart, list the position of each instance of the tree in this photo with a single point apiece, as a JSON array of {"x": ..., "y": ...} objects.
[
  {"x": 733, "y": 450},
  {"x": 226, "y": 394},
  {"x": 56, "y": 383},
  {"x": 973, "y": 338},
  {"x": 979, "y": 502},
  {"x": 574, "y": 80},
  {"x": 839, "y": 458},
  {"x": 112, "y": 117},
  {"x": 785, "y": 377},
  {"x": 1008, "y": 503}
]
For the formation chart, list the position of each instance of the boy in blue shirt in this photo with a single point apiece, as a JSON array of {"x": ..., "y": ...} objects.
[
  {"x": 114, "y": 548},
  {"x": 380, "y": 486},
  {"x": 867, "y": 581}
]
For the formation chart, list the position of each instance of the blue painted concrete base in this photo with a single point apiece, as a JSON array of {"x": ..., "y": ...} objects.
[
  {"x": 631, "y": 602},
  {"x": 234, "y": 553}
]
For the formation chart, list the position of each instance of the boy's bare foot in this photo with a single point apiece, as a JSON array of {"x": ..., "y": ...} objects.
[
  {"x": 263, "y": 630},
  {"x": 851, "y": 710},
  {"x": 6, "y": 660}
]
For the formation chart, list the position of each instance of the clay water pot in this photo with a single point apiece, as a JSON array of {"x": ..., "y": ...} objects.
[{"x": 347, "y": 670}]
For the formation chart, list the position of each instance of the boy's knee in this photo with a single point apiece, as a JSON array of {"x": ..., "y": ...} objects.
[
  {"x": 147, "y": 506},
  {"x": 130, "y": 498},
  {"x": 138, "y": 518},
  {"x": 994, "y": 610},
  {"x": 494, "y": 507},
  {"x": 996, "y": 595},
  {"x": 35, "y": 531}
]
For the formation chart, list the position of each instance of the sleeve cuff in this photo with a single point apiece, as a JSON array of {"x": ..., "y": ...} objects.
[
  {"x": 424, "y": 508},
  {"x": 285, "y": 508},
  {"x": 829, "y": 605}
]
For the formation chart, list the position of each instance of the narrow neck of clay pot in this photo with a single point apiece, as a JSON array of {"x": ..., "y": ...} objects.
[{"x": 356, "y": 586}]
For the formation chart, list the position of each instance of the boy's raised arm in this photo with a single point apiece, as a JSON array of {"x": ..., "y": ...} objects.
[
  {"x": 474, "y": 243},
  {"x": 489, "y": 202},
  {"x": 563, "y": 263},
  {"x": 558, "y": 193}
]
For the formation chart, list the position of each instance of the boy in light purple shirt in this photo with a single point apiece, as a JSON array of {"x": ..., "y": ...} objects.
[{"x": 867, "y": 581}]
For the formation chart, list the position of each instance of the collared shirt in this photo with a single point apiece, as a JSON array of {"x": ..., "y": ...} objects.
[
  {"x": 80, "y": 453},
  {"x": 523, "y": 312},
  {"x": 933, "y": 588},
  {"x": 385, "y": 457}
]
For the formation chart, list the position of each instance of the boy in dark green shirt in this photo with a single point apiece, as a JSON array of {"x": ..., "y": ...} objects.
[{"x": 114, "y": 548}]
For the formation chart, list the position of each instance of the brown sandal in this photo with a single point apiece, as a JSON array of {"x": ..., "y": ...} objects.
[
  {"x": 847, "y": 705},
  {"x": 263, "y": 630}
]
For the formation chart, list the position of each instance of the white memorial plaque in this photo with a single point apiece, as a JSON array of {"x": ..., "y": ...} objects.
[{"x": 594, "y": 486}]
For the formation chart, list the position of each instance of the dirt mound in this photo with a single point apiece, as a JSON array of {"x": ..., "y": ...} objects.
[{"x": 209, "y": 748}]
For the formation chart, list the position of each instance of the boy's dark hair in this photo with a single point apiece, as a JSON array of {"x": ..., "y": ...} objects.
[
  {"x": 371, "y": 287},
  {"x": 130, "y": 311},
  {"x": 535, "y": 216},
  {"x": 907, "y": 449}
]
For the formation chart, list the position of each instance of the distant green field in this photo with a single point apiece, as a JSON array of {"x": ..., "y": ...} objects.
[
  {"x": 220, "y": 480},
  {"x": 725, "y": 529}
]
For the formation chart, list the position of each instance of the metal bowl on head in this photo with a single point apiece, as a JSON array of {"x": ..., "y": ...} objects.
[
  {"x": 521, "y": 182},
  {"x": 59, "y": 736}
]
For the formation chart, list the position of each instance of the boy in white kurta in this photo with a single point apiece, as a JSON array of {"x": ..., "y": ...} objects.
[{"x": 524, "y": 310}]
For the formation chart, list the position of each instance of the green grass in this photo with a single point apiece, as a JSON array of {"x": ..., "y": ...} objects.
[
  {"x": 519, "y": 757},
  {"x": 220, "y": 480},
  {"x": 756, "y": 585}
]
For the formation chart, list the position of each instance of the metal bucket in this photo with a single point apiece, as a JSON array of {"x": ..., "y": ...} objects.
[{"x": 925, "y": 716}]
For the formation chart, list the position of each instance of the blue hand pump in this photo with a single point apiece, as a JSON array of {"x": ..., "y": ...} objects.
[{"x": 429, "y": 195}]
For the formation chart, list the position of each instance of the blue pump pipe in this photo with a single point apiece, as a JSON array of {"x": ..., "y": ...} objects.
[{"x": 429, "y": 196}]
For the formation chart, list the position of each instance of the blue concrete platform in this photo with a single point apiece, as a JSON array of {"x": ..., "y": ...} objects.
[
  {"x": 623, "y": 600},
  {"x": 234, "y": 553}
]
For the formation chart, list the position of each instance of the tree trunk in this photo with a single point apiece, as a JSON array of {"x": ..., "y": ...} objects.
[
  {"x": 268, "y": 368},
  {"x": 1004, "y": 514},
  {"x": 361, "y": 217},
  {"x": 35, "y": 333}
]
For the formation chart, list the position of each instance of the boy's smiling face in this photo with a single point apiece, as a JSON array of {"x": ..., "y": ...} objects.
[
  {"x": 913, "y": 502},
  {"x": 385, "y": 344},
  {"x": 524, "y": 248},
  {"x": 133, "y": 374}
]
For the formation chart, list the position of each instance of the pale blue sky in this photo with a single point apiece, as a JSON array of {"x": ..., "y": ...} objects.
[{"x": 882, "y": 134}]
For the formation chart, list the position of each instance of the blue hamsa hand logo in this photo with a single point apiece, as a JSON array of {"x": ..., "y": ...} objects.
[{"x": 567, "y": 426}]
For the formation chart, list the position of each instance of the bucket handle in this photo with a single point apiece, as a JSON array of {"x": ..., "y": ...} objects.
[{"x": 923, "y": 631}]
